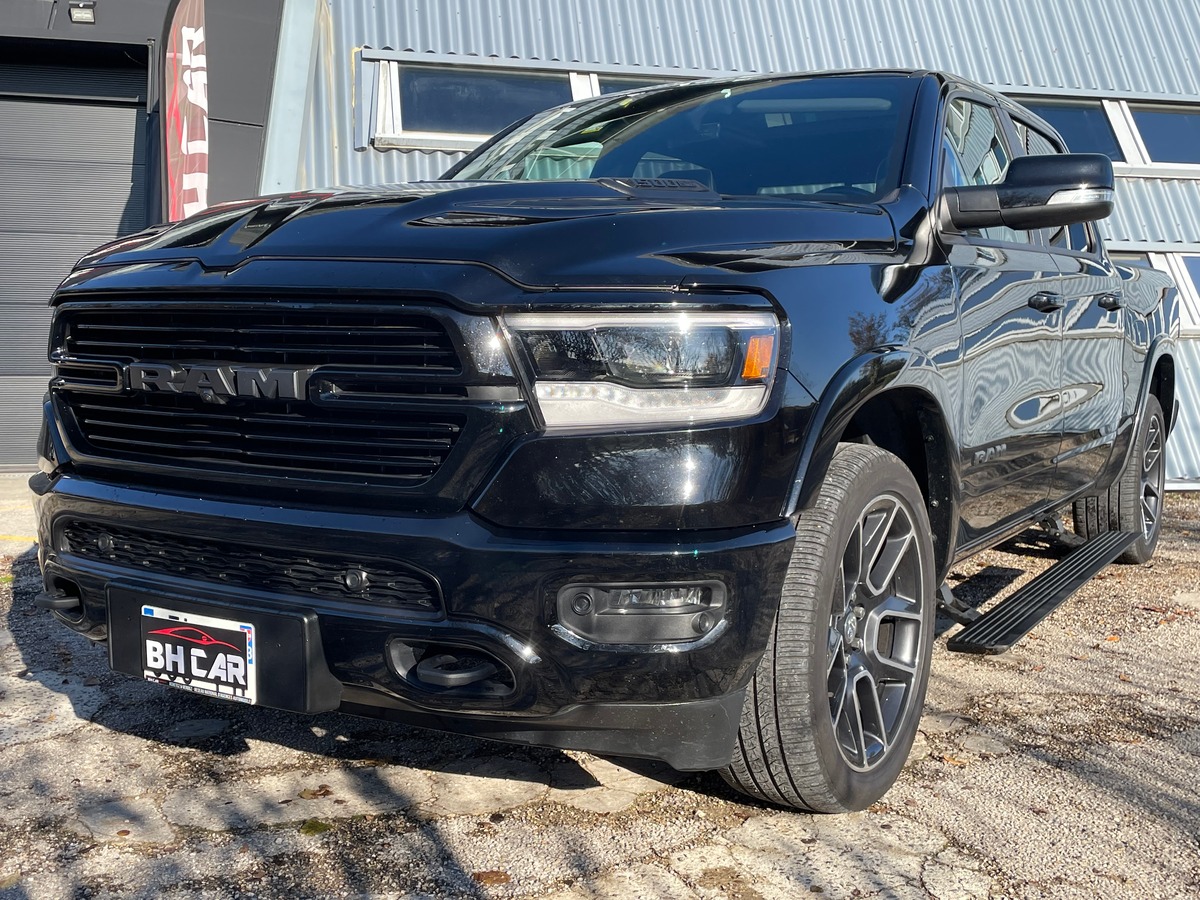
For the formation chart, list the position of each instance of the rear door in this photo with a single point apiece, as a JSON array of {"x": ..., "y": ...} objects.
[{"x": 1092, "y": 390}]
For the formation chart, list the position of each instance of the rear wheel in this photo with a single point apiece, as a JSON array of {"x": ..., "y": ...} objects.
[
  {"x": 833, "y": 707},
  {"x": 1135, "y": 501}
]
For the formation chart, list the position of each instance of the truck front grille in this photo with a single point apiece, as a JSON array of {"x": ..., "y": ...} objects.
[
  {"x": 328, "y": 576},
  {"x": 382, "y": 404}
]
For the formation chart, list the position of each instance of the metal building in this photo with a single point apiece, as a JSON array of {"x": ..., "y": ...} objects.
[
  {"x": 362, "y": 91},
  {"x": 370, "y": 91},
  {"x": 85, "y": 148}
]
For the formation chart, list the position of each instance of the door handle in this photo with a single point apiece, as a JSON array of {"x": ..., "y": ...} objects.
[
  {"x": 1046, "y": 301},
  {"x": 1110, "y": 301}
]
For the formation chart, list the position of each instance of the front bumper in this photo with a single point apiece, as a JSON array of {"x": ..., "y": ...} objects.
[{"x": 496, "y": 597}]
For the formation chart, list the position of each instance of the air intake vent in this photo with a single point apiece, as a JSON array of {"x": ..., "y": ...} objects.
[{"x": 353, "y": 579}]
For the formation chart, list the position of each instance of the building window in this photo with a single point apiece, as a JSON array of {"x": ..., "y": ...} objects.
[
  {"x": 1170, "y": 134},
  {"x": 611, "y": 84},
  {"x": 459, "y": 106},
  {"x": 1084, "y": 125},
  {"x": 1192, "y": 264},
  {"x": 1142, "y": 260}
]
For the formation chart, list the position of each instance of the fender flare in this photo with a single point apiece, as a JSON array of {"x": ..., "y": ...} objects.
[{"x": 860, "y": 380}]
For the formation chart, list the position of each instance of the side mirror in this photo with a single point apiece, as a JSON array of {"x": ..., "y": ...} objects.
[{"x": 1037, "y": 192}]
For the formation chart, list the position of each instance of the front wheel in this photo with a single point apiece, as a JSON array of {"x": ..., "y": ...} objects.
[{"x": 834, "y": 705}]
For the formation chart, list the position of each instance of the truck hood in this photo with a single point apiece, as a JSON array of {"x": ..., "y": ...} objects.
[{"x": 538, "y": 234}]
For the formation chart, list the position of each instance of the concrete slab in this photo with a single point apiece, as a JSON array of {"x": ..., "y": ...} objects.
[
  {"x": 297, "y": 797},
  {"x": 134, "y": 820},
  {"x": 17, "y": 530},
  {"x": 477, "y": 787}
]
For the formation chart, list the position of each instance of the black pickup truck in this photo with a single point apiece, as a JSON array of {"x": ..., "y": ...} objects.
[{"x": 652, "y": 429}]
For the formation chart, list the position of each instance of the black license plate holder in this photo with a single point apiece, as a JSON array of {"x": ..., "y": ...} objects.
[{"x": 203, "y": 645}]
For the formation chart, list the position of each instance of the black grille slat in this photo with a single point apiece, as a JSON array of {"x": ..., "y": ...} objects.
[
  {"x": 228, "y": 351},
  {"x": 383, "y": 357},
  {"x": 207, "y": 424},
  {"x": 320, "y": 442},
  {"x": 266, "y": 569},
  {"x": 263, "y": 336}
]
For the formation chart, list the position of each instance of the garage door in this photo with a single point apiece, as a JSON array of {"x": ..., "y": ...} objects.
[{"x": 72, "y": 175}]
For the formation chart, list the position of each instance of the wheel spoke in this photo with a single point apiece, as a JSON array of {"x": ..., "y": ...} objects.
[
  {"x": 1152, "y": 478},
  {"x": 1153, "y": 451},
  {"x": 851, "y": 572},
  {"x": 837, "y": 686},
  {"x": 876, "y": 527},
  {"x": 1151, "y": 503},
  {"x": 891, "y": 668},
  {"x": 857, "y": 730},
  {"x": 888, "y": 552},
  {"x": 871, "y": 729},
  {"x": 836, "y": 649}
]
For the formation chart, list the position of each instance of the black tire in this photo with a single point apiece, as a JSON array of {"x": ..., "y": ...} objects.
[
  {"x": 799, "y": 744},
  {"x": 1135, "y": 500}
]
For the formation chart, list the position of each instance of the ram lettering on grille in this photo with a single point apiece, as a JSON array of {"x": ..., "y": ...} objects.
[{"x": 274, "y": 382}]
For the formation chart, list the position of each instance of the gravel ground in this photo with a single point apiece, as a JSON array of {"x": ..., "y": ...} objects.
[{"x": 1068, "y": 767}]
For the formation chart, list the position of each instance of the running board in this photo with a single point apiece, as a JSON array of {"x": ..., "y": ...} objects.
[{"x": 1013, "y": 618}]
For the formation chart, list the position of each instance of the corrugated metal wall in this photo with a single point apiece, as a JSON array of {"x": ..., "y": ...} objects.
[
  {"x": 1156, "y": 210},
  {"x": 1145, "y": 49},
  {"x": 1142, "y": 47},
  {"x": 1183, "y": 450},
  {"x": 1115, "y": 49}
]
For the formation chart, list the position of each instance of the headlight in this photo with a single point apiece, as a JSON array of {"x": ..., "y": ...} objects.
[{"x": 648, "y": 368}]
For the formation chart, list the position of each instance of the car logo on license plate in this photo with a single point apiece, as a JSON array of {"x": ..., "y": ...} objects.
[{"x": 198, "y": 653}]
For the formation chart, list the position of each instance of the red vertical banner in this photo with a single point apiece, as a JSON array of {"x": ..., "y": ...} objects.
[{"x": 186, "y": 114}]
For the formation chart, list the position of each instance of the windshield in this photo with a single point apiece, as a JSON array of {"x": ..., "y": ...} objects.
[{"x": 826, "y": 137}]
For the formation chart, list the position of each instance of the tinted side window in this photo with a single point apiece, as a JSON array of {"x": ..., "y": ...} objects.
[{"x": 974, "y": 153}]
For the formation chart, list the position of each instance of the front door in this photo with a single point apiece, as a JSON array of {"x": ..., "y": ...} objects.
[
  {"x": 1010, "y": 314},
  {"x": 1011, "y": 417}
]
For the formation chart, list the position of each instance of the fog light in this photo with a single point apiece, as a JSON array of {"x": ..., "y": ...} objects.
[
  {"x": 640, "y": 614},
  {"x": 658, "y": 598}
]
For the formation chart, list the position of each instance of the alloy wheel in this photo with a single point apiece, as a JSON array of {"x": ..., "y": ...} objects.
[{"x": 874, "y": 641}]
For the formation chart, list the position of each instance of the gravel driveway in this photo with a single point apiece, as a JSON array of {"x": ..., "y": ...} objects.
[{"x": 1069, "y": 767}]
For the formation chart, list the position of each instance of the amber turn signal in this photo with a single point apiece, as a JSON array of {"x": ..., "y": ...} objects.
[{"x": 759, "y": 351}]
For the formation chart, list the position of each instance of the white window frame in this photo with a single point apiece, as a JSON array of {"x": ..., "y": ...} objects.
[
  {"x": 1173, "y": 263},
  {"x": 380, "y": 124},
  {"x": 1137, "y": 160}
]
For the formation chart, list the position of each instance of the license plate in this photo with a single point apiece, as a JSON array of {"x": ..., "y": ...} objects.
[{"x": 202, "y": 654}]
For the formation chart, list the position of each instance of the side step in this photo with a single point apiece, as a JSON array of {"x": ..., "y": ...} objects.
[{"x": 1013, "y": 618}]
